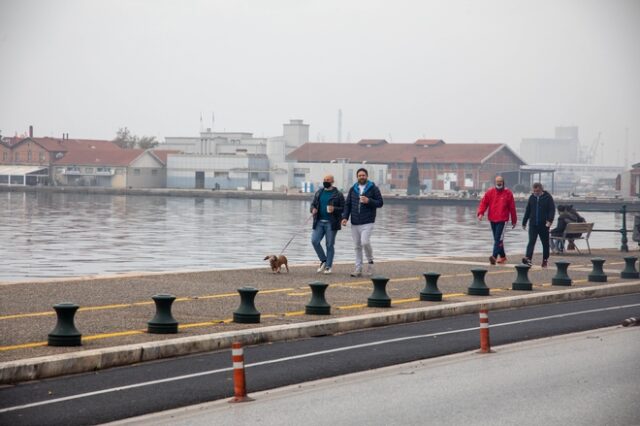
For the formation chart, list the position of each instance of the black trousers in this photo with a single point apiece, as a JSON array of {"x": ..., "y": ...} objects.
[{"x": 536, "y": 231}]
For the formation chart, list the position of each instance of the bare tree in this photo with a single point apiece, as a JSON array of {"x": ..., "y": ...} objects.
[{"x": 126, "y": 140}]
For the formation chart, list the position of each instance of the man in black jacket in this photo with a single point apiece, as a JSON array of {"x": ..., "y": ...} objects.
[
  {"x": 363, "y": 200},
  {"x": 326, "y": 208},
  {"x": 541, "y": 210}
]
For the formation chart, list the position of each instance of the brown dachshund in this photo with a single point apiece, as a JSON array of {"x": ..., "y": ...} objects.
[{"x": 277, "y": 262}]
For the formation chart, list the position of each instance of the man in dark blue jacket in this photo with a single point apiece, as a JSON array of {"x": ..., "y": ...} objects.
[
  {"x": 326, "y": 208},
  {"x": 541, "y": 210},
  {"x": 363, "y": 200}
]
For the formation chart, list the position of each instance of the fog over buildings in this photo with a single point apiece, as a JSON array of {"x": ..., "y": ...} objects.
[{"x": 460, "y": 71}]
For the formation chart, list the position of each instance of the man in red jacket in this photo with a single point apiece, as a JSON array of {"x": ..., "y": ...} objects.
[{"x": 500, "y": 203}]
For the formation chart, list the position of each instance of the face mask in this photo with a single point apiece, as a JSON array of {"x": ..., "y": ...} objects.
[
  {"x": 327, "y": 185},
  {"x": 499, "y": 185}
]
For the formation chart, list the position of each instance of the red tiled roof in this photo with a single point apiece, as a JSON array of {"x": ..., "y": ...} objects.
[
  {"x": 102, "y": 157},
  {"x": 429, "y": 142},
  {"x": 56, "y": 144},
  {"x": 470, "y": 153},
  {"x": 372, "y": 142},
  {"x": 162, "y": 154}
]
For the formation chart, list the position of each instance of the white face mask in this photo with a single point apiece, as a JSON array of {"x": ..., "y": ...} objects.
[{"x": 499, "y": 185}]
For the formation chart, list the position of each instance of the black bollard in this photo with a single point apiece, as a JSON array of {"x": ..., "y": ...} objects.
[
  {"x": 562, "y": 276},
  {"x": 522, "y": 279},
  {"x": 247, "y": 312},
  {"x": 65, "y": 332},
  {"x": 379, "y": 297},
  {"x": 318, "y": 304},
  {"x": 430, "y": 292},
  {"x": 163, "y": 322},
  {"x": 597, "y": 275},
  {"x": 630, "y": 270},
  {"x": 478, "y": 287}
]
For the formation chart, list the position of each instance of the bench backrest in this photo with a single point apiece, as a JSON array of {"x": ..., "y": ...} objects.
[{"x": 578, "y": 228}]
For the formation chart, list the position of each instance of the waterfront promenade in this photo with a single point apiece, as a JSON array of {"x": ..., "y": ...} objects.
[{"x": 115, "y": 309}]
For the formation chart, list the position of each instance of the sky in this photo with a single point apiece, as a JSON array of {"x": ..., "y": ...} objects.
[{"x": 463, "y": 71}]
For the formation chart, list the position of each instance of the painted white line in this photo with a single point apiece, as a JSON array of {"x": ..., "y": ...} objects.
[
  {"x": 307, "y": 355},
  {"x": 570, "y": 314}
]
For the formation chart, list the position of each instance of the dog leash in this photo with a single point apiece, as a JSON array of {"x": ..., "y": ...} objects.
[{"x": 296, "y": 234}]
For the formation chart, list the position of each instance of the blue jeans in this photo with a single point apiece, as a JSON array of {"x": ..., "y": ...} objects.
[
  {"x": 498, "y": 238},
  {"x": 323, "y": 230}
]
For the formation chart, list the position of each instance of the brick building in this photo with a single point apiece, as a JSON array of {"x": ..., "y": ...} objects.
[
  {"x": 440, "y": 165},
  {"x": 79, "y": 162}
]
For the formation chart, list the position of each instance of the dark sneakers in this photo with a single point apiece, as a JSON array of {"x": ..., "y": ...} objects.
[
  {"x": 492, "y": 260},
  {"x": 526, "y": 261},
  {"x": 544, "y": 263}
]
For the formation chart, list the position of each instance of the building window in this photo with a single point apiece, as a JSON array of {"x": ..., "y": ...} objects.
[
  {"x": 16, "y": 156},
  {"x": 88, "y": 170},
  {"x": 119, "y": 171},
  {"x": 43, "y": 157},
  {"x": 220, "y": 174},
  {"x": 136, "y": 172},
  {"x": 400, "y": 176},
  {"x": 4, "y": 156},
  {"x": 154, "y": 172},
  {"x": 29, "y": 155}
]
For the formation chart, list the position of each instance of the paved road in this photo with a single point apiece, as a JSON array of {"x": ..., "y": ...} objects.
[
  {"x": 588, "y": 378},
  {"x": 129, "y": 391}
]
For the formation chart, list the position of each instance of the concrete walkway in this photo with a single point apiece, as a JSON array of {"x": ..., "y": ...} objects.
[{"x": 115, "y": 310}]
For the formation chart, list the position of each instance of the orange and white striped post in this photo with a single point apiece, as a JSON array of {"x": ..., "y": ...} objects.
[
  {"x": 485, "y": 344},
  {"x": 239, "y": 383}
]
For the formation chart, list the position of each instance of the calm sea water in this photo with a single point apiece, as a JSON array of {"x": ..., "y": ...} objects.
[{"x": 46, "y": 235}]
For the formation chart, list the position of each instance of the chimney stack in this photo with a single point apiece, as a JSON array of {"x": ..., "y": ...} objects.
[{"x": 30, "y": 131}]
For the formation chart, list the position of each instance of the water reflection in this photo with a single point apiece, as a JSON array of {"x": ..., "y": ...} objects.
[{"x": 67, "y": 234}]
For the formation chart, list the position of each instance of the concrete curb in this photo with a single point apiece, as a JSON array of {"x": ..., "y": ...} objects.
[{"x": 98, "y": 359}]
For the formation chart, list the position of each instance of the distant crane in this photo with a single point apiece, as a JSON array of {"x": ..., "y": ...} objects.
[{"x": 593, "y": 150}]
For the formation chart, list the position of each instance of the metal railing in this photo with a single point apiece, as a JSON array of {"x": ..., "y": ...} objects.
[{"x": 623, "y": 230}]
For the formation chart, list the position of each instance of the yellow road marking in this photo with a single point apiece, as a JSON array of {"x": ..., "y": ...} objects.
[
  {"x": 115, "y": 334},
  {"x": 129, "y": 305},
  {"x": 227, "y": 321},
  {"x": 22, "y": 346},
  {"x": 356, "y": 306},
  {"x": 348, "y": 284}
]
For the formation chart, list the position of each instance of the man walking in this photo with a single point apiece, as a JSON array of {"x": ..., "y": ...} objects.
[
  {"x": 363, "y": 200},
  {"x": 500, "y": 203},
  {"x": 326, "y": 208},
  {"x": 541, "y": 210}
]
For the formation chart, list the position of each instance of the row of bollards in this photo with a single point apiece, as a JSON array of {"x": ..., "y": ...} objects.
[{"x": 66, "y": 334}]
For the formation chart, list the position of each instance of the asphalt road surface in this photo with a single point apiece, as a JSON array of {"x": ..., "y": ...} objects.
[
  {"x": 119, "y": 393},
  {"x": 587, "y": 378}
]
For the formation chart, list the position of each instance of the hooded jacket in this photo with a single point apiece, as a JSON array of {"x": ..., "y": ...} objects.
[
  {"x": 362, "y": 213},
  {"x": 539, "y": 209},
  {"x": 337, "y": 201},
  {"x": 501, "y": 205}
]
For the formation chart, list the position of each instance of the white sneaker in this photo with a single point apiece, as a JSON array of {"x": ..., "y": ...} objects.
[
  {"x": 321, "y": 268},
  {"x": 327, "y": 271},
  {"x": 369, "y": 270},
  {"x": 356, "y": 273}
]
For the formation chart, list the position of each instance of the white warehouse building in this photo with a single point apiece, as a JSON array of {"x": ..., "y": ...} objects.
[
  {"x": 228, "y": 160},
  {"x": 216, "y": 171}
]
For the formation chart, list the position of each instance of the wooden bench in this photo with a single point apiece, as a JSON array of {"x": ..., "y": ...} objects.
[{"x": 576, "y": 228}]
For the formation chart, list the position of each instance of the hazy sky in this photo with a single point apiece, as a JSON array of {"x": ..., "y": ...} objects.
[{"x": 462, "y": 71}]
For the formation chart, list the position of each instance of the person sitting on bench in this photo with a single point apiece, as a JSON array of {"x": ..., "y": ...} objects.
[
  {"x": 577, "y": 218},
  {"x": 564, "y": 217}
]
